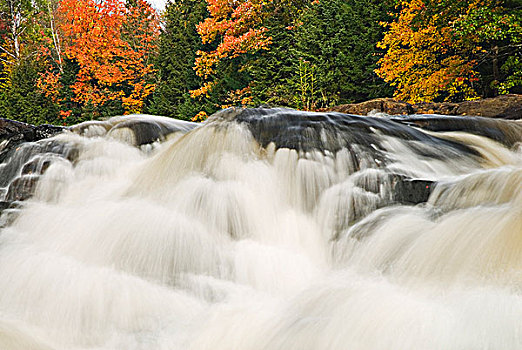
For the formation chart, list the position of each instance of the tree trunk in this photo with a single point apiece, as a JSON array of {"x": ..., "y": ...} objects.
[{"x": 496, "y": 71}]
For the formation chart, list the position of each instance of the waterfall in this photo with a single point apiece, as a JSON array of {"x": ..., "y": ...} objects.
[{"x": 264, "y": 229}]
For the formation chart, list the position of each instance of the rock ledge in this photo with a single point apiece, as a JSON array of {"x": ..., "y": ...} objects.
[{"x": 505, "y": 107}]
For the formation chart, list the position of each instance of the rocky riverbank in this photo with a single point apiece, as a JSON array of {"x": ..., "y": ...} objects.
[
  {"x": 25, "y": 152},
  {"x": 504, "y": 107},
  {"x": 13, "y": 133}
]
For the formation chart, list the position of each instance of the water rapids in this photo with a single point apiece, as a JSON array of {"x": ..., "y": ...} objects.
[{"x": 264, "y": 230}]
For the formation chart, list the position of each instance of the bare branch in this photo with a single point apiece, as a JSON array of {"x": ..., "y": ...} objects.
[
  {"x": 7, "y": 52},
  {"x": 5, "y": 61}
]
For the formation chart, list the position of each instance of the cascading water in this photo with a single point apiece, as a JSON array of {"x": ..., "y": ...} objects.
[{"x": 266, "y": 229}]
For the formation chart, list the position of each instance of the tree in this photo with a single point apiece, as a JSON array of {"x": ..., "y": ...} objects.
[
  {"x": 271, "y": 71},
  {"x": 6, "y": 61},
  {"x": 15, "y": 18},
  {"x": 20, "y": 35},
  {"x": 179, "y": 42},
  {"x": 112, "y": 44},
  {"x": 334, "y": 53},
  {"x": 237, "y": 29},
  {"x": 22, "y": 101},
  {"x": 141, "y": 33},
  {"x": 442, "y": 49},
  {"x": 496, "y": 27},
  {"x": 19, "y": 31}
]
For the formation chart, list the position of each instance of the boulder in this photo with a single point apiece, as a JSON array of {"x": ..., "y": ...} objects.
[
  {"x": 22, "y": 188},
  {"x": 14, "y": 130},
  {"x": 385, "y": 105},
  {"x": 13, "y": 133},
  {"x": 507, "y": 132},
  {"x": 504, "y": 106},
  {"x": 21, "y": 162},
  {"x": 444, "y": 108}
]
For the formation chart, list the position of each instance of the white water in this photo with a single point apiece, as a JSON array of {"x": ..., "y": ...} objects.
[{"x": 209, "y": 242}]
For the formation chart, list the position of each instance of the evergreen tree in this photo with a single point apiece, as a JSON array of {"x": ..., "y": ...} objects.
[
  {"x": 179, "y": 42},
  {"x": 324, "y": 57},
  {"x": 272, "y": 70},
  {"x": 336, "y": 52},
  {"x": 22, "y": 101}
]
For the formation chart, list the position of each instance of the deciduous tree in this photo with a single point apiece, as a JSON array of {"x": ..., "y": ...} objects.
[
  {"x": 113, "y": 44},
  {"x": 237, "y": 28},
  {"x": 450, "y": 50}
]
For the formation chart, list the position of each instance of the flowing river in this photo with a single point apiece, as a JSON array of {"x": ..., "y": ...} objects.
[{"x": 264, "y": 230}]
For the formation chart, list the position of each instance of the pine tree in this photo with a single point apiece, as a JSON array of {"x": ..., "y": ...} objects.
[
  {"x": 179, "y": 42},
  {"x": 336, "y": 47},
  {"x": 325, "y": 56},
  {"x": 271, "y": 70},
  {"x": 22, "y": 101}
]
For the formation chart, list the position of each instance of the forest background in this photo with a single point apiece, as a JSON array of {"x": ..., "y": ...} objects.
[{"x": 67, "y": 61}]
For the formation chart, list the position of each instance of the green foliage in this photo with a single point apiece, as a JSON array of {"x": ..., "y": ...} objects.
[
  {"x": 317, "y": 54},
  {"x": 5, "y": 74},
  {"x": 19, "y": 36},
  {"x": 496, "y": 27},
  {"x": 336, "y": 45},
  {"x": 22, "y": 101},
  {"x": 325, "y": 56},
  {"x": 179, "y": 42},
  {"x": 272, "y": 70}
]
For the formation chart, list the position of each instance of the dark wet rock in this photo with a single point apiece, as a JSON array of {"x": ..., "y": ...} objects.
[
  {"x": 147, "y": 129},
  {"x": 33, "y": 158},
  {"x": 30, "y": 167},
  {"x": 16, "y": 205},
  {"x": 144, "y": 131},
  {"x": 404, "y": 190},
  {"x": 22, "y": 188},
  {"x": 13, "y": 133},
  {"x": 4, "y": 205},
  {"x": 13, "y": 130},
  {"x": 504, "y": 107},
  {"x": 38, "y": 165},
  {"x": 506, "y": 132},
  {"x": 412, "y": 191},
  {"x": 8, "y": 216},
  {"x": 20, "y": 174},
  {"x": 136, "y": 129},
  {"x": 331, "y": 131},
  {"x": 25, "y": 154},
  {"x": 15, "y": 159},
  {"x": 45, "y": 131}
]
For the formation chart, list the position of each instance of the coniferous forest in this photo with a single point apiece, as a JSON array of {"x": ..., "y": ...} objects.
[{"x": 67, "y": 61}]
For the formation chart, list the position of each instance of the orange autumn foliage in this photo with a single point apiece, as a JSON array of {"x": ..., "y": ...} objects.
[
  {"x": 424, "y": 60},
  {"x": 238, "y": 25},
  {"x": 238, "y": 28},
  {"x": 113, "y": 45}
]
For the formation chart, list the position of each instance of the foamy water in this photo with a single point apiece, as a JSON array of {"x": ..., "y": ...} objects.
[{"x": 210, "y": 241}]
